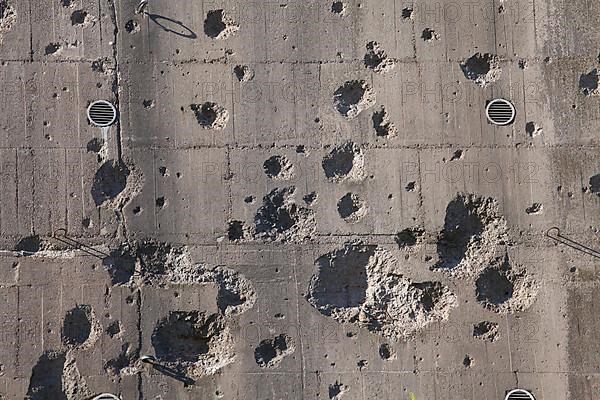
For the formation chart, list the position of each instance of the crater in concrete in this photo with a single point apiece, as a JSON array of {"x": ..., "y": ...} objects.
[
  {"x": 504, "y": 289},
  {"x": 211, "y": 115},
  {"x": 353, "y": 97},
  {"x": 409, "y": 237},
  {"x": 473, "y": 231},
  {"x": 363, "y": 285},
  {"x": 270, "y": 352},
  {"x": 109, "y": 182},
  {"x": 219, "y": 25},
  {"x": 377, "y": 59},
  {"x": 352, "y": 208},
  {"x": 280, "y": 218},
  {"x": 193, "y": 342},
  {"x": 482, "y": 69},
  {"x": 46, "y": 377},
  {"x": 487, "y": 331},
  {"x": 345, "y": 163},
  {"x": 588, "y": 83},
  {"x": 278, "y": 168},
  {"x": 80, "y": 328},
  {"x": 384, "y": 127}
]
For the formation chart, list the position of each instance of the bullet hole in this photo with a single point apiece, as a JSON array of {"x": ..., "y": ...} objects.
[
  {"x": 161, "y": 202},
  {"x": 353, "y": 97},
  {"x": 457, "y": 155},
  {"x": 337, "y": 390},
  {"x": 384, "y": 127},
  {"x": 345, "y": 163},
  {"x": 270, "y": 352},
  {"x": 148, "y": 104},
  {"x": 218, "y": 25},
  {"x": 339, "y": 8},
  {"x": 86, "y": 223},
  {"x": 588, "y": 83},
  {"x": 535, "y": 208},
  {"x": 95, "y": 145},
  {"x": 300, "y": 149},
  {"x": 237, "y": 231},
  {"x": 409, "y": 237},
  {"x": 210, "y": 115},
  {"x": 79, "y": 17},
  {"x": 411, "y": 186},
  {"x": 78, "y": 326},
  {"x": 249, "y": 199},
  {"x": 386, "y": 352},
  {"x": 132, "y": 27},
  {"x": 278, "y": 168},
  {"x": 595, "y": 184},
  {"x": 487, "y": 331},
  {"x": 429, "y": 35},
  {"x": 52, "y": 48},
  {"x": 377, "y": 60},
  {"x": 311, "y": 198},
  {"x": 29, "y": 244},
  {"x": 243, "y": 73},
  {"x": 163, "y": 171},
  {"x": 468, "y": 361},
  {"x": 137, "y": 210},
  {"x": 533, "y": 129},
  {"x": 109, "y": 182},
  {"x": 113, "y": 329},
  {"x": 523, "y": 64},
  {"x": 482, "y": 69},
  {"x": 67, "y": 3},
  {"x": 351, "y": 208},
  {"x": 407, "y": 13}
]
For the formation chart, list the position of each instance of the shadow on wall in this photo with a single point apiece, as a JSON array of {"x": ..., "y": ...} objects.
[{"x": 172, "y": 26}]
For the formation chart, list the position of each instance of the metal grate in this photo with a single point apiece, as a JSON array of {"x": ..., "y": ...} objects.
[
  {"x": 102, "y": 113},
  {"x": 519, "y": 394},
  {"x": 500, "y": 112},
  {"x": 106, "y": 396}
]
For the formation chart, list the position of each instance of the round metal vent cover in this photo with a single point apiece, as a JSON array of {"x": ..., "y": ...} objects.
[
  {"x": 102, "y": 113},
  {"x": 106, "y": 396},
  {"x": 500, "y": 112},
  {"x": 519, "y": 394}
]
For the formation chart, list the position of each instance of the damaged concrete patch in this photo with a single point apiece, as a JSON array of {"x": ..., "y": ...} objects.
[
  {"x": 377, "y": 59},
  {"x": 193, "y": 343},
  {"x": 473, "y": 231},
  {"x": 219, "y": 25},
  {"x": 504, "y": 289},
  {"x": 353, "y": 97},
  {"x": 211, "y": 115},
  {"x": 280, "y": 218},
  {"x": 345, "y": 163},
  {"x": 270, "y": 352},
  {"x": 588, "y": 83},
  {"x": 8, "y": 18},
  {"x": 80, "y": 328},
  {"x": 363, "y": 285},
  {"x": 487, "y": 331},
  {"x": 279, "y": 168},
  {"x": 482, "y": 69},
  {"x": 352, "y": 208},
  {"x": 384, "y": 127}
]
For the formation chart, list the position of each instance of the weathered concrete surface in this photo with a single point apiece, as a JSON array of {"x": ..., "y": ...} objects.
[{"x": 255, "y": 150}]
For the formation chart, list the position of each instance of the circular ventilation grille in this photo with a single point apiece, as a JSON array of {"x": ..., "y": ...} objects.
[
  {"x": 519, "y": 394},
  {"x": 500, "y": 112},
  {"x": 106, "y": 396},
  {"x": 102, "y": 113}
]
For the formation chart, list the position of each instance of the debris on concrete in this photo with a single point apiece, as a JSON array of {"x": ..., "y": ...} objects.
[
  {"x": 473, "y": 232},
  {"x": 219, "y": 25},
  {"x": 352, "y": 208},
  {"x": 193, "y": 343},
  {"x": 487, "y": 331},
  {"x": 280, "y": 218},
  {"x": 353, "y": 97},
  {"x": 345, "y": 163},
  {"x": 279, "y": 168},
  {"x": 210, "y": 115},
  {"x": 384, "y": 127},
  {"x": 363, "y": 285},
  {"x": 504, "y": 288},
  {"x": 482, "y": 69},
  {"x": 377, "y": 59},
  {"x": 270, "y": 352}
]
